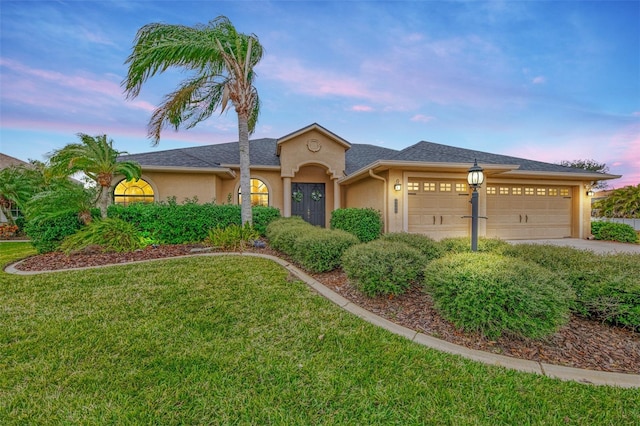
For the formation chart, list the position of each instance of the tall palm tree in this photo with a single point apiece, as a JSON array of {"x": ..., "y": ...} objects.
[
  {"x": 96, "y": 158},
  {"x": 222, "y": 61}
]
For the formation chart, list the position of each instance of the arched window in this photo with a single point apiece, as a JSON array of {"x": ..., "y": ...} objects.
[
  {"x": 259, "y": 193},
  {"x": 134, "y": 191}
]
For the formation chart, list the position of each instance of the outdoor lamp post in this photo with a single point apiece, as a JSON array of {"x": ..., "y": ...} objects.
[{"x": 475, "y": 179}]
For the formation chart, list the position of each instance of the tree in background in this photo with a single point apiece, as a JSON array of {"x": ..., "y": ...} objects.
[
  {"x": 592, "y": 166},
  {"x": 622, "y": 203},
  {"x": 222, "y": 61},
  {"x": 98, "y": 160}
]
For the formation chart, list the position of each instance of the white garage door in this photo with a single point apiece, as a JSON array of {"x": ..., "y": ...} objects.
[
  {"x": 528, "y": 211},
  {"x": 436, "y": 208}
]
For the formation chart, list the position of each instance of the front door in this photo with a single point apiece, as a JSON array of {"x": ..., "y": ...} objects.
[{"x": 307, "y": 201}]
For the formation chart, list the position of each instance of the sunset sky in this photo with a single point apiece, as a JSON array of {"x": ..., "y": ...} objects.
[{"x": 543, "y": 80}]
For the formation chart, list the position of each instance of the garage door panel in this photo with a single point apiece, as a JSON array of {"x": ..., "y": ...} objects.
[{"x": 528, "y": 211}]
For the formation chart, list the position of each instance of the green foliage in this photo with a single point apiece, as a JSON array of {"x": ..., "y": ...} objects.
[
  {"x": 320, "y": 250},
  {"x": 495, "y": 295},
  {"x": 606, "y": 286},
  {"x": 47, "y": 234},
  {"x": 316, "y": 249},
  {"x": 463, "y": 245},
  {"x": 429, "y": 248},
  {"x": 622, "y": 202},
  {"x": 366, "y": 224},
  {"x": 611, "y": 231},
  {"x": 262, "y": 216},
  {"x": 111, "y": 235},
  {"x": 591, "y": 166},
  {"x": 383, "y": 267},
  {"x": 233, "y": 237},
  {"x": 172, "y": 223}
]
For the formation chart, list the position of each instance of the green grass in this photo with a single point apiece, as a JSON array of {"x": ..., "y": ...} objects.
[{"x": 230, "y": 340}]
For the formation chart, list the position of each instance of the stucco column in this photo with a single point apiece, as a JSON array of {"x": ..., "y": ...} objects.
[
  {"x": 336, "y": 195},
  {"x": 286, "y": 191}
]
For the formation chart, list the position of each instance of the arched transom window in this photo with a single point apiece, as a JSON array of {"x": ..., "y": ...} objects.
[
  {"x": 259, "y": 193},
  {"x": 134, "y": 191}
]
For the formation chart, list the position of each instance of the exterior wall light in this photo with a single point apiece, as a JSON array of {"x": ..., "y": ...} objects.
[
  {"x": 397, "y": 186},
  {"x": 590, "y": 193},
  {"x": 475, "y": 179}
]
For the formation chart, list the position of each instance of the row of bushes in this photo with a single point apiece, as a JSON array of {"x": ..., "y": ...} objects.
[{"x": 159, "y": 223}]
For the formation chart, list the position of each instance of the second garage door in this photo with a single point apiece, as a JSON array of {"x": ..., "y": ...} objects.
[{"x": 529, "y": 211}]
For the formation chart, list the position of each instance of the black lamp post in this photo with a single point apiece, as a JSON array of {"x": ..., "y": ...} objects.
[{"x": 475, "y": 179}]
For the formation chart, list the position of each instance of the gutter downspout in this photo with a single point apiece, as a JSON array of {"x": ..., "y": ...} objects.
[{"x": 385, "y": 197}]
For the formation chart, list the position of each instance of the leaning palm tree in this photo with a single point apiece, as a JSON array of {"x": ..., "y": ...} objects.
[
  {"x": 222, "y": 62},
  {"x": 96, "y": 158}
]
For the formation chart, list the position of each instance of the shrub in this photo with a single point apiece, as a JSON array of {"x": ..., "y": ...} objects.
[
  {"x": 463, "y": 245},
  {"x": 7, "y": 230},
  {"x": 172, "y": 223},
  {"x": 233, "y": 237},
  {"x": 383, "y": 267},
  {"x": 495, "y": 295},
  {"x": 112, "y": 235},
  {"x": 46, "y": 234},
  {"x": 611, "y": 231},
  {"x": 320, "y": 250},
  {"x": 429, "y": 248},
  {"x": 606, "y": 286},
  {"x": 366, "y": 224},
  {"x": 282, "y": 233}
]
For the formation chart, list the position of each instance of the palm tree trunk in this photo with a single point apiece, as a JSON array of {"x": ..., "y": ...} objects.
[
  {"x": 245, "y": 172},
  {"x": 104, "y": 200}
]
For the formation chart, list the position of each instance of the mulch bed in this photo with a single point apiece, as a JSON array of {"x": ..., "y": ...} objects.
[{"x": 581, "y": 343}]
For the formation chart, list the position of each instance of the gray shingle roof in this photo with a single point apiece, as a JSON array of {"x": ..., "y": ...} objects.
[
  {"x": 438, "y": 153},
  {"x": 263, "y": 153}
]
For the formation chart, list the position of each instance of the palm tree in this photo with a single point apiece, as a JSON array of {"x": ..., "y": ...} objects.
[
  {"x": 222, "y": 61},
  {"x": 622, "y": 202},
  {"x": 96, "y": 158},
  {"x": 16, "y": 188}
]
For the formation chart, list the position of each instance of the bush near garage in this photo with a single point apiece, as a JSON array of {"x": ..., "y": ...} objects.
[
  {"x": 383, "y": 267},
  {"x": 497, "y": 295},
  {"x": 611, "y": 231},
  {"x": 430, "y": 248},
  {"x": 364, "y": 223},
  {"x": 463, "y": 245},
  {"x": 172, "y": 223},
  {"x": 607, "y": 286}
]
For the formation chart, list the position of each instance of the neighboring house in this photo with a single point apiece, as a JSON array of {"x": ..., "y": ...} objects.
[
  {"x": 420, "y": 189},
  {"x": 7, "y": 161}
]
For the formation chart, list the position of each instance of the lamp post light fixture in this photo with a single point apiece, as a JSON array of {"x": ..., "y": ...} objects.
[{"x": 475, "y": 179}]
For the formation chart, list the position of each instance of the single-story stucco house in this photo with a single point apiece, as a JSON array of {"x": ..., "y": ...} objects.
[{"x": 420, "y": 189}]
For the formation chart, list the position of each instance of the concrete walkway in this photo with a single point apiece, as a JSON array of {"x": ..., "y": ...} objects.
[{"x": 554, "y": 371}]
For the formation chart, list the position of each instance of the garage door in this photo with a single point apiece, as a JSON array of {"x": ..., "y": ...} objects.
[
  {"x": 528, "y": 211},
  {"x": 436, "y": 208}
]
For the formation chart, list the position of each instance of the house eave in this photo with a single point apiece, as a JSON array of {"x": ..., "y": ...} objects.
[
  {"x": 576, "y": 176},
  {"x": 223, "y": 172},
  {"x": 314, "y": 126}
]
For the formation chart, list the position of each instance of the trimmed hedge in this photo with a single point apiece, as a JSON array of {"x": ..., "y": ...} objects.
[
  {"x": 47, "y": 234},
  {"x": 429, "y": 248},
  {"x": 315, "y": 249},
  {"x": 607, "y": 286},
  {"x": 171, "y": 223},
  {"x": 383, "y": 267},
  {"x": 612, "y": 231},
  {"x": 495, "y": 295},
  {"x": 366, "y": 224}
]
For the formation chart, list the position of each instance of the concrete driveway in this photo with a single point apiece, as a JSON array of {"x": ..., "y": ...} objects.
[{"x": 593, "y": 245}]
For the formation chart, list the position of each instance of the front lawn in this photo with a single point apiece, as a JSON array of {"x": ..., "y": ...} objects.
[{"x": 230, "y": 340}]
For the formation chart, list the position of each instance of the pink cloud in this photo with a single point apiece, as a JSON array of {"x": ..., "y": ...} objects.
[
  {"x": 361, "y": 108},
  {"x": 421, "y": 118}
]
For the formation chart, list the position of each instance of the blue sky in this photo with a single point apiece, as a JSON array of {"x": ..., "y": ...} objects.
[{"x": 551, "y": 81}]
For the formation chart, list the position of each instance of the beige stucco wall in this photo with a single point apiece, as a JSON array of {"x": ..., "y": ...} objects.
[
  {"x": 271, "y": 178},
  {"x": 181, "y": 185},
  {"x": 312, "y": 147}
]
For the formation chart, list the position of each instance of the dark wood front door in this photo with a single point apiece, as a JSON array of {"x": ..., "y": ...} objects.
[{"x": 307, "y": 201}]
